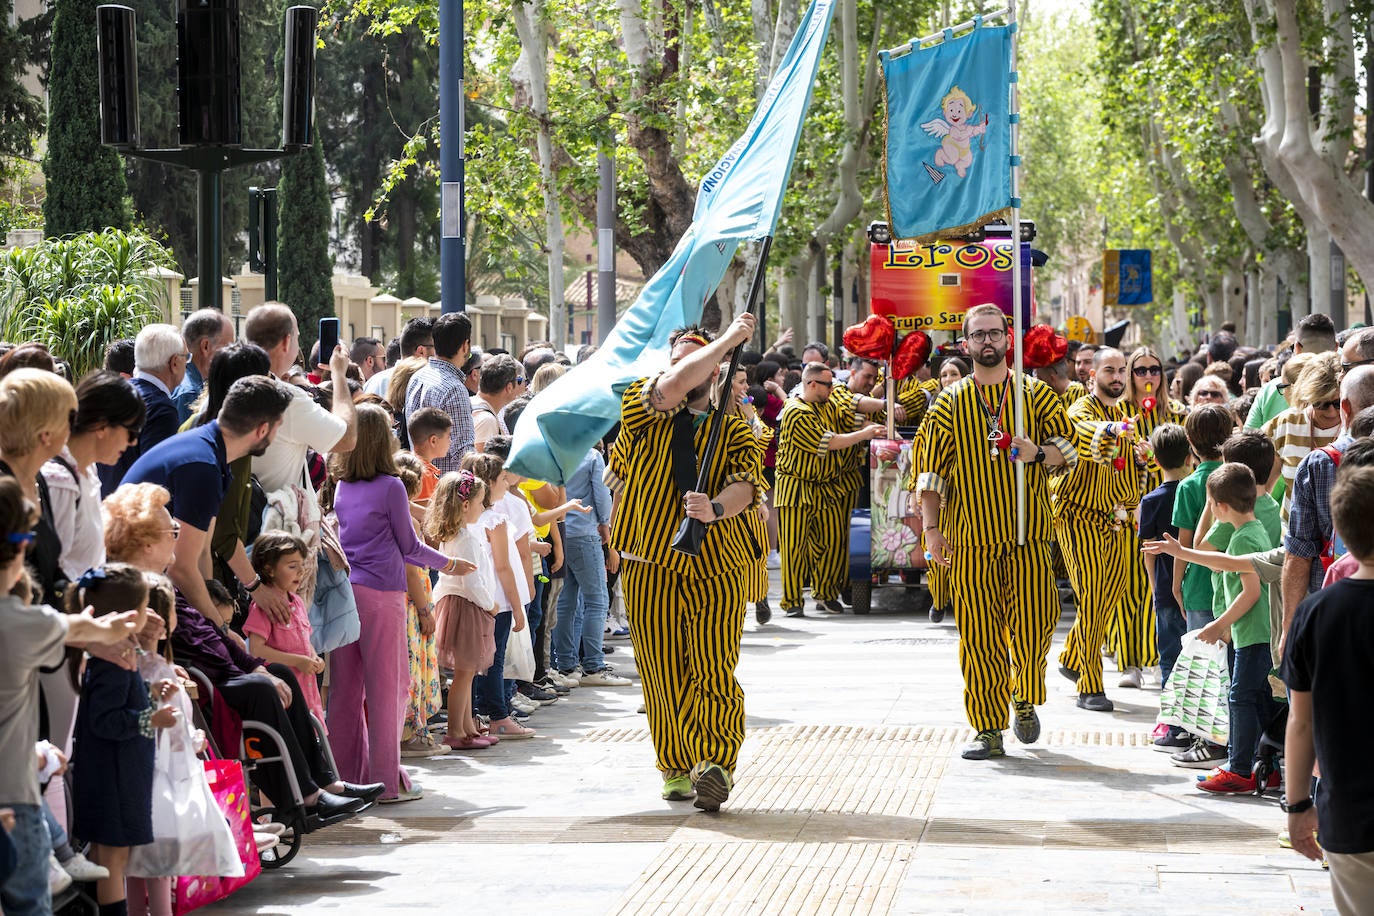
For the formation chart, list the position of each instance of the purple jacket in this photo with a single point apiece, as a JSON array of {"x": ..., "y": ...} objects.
[{"x": 377, "y": 533}]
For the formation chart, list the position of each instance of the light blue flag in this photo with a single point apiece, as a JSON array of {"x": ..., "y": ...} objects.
[
  {"x": 739, "y": 199},
  {"x": 948, "y": 149}
]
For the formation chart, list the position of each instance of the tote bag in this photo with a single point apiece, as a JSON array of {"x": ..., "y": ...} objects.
[
  {"x": 1196, "y": 697},
  {"x": 190, "y": 833},
  {"x": 231, "y": 798}
]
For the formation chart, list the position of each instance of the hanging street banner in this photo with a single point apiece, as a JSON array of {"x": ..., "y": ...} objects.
[
  {"x": 947, "y": 154},
  {"x": 1126, "y": 277},
  {"x": 739, "y": 199},
  {"x": 929, "y": 287}
]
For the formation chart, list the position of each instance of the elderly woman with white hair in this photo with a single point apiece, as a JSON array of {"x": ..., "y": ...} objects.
[{"x": 159, "y": 367}]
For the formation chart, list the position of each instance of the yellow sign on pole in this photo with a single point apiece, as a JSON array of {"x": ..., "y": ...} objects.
[{"x": 1080, "y": 329}]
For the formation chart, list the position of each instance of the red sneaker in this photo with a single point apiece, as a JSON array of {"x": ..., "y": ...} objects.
[
  {"x": 1160, "y": 731},
  {"x": 1224, "y": 782}
]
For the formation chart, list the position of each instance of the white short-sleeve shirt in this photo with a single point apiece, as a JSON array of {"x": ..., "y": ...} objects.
[{"x": 304, "y": 425}]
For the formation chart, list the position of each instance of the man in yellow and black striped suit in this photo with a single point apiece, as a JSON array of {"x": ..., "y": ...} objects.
[
  {"x": 1004, "y": 593},
  {"x": 687, "y": 613},
  {"x": 816, "y": 483},
  {"x": 1093, "y": 522},
  {"x": 1056, "y": 375}
]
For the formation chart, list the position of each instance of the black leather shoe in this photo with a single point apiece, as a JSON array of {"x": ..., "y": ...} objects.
[
  {"x": 763, "y": 612},
  {"x": 1069, "y": 673},
  {"x": 1095, "y": 702},
  {"x": 937, "y": 614},
  {"x": 367, "y": 792},
  {"x": 331, "y": 809},
  {"x": 833, "y": 606},
  {"x": 795, "y": 612}
]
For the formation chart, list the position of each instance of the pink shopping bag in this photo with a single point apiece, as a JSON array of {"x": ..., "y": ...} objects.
[{"x": 227, "y": 784}]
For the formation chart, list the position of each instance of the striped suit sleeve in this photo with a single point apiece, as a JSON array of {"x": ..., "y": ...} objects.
[{"x": 937, "y": 447}]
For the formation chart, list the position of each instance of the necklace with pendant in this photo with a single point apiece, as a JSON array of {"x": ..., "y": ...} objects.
[{"x": 998, "y": 438}]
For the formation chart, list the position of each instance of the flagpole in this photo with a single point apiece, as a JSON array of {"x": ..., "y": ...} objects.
[
  {"x": 1018, "y": 322},
  {"x": 693, "y": 531}
]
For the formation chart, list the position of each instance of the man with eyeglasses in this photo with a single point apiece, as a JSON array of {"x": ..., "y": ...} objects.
[
  {"x": 502, "y": 381},
  {"x": 813, "y": 496},
  {"x": 1314, "y": 334},
  {"x": 1092, "y": 522},
  {"x": 1004, "y": 592},
  {"x": 160, "y": 366}
]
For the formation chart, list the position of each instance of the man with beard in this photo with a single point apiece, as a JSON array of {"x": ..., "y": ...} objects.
[
  {"x": 1004, "y": 592},
  {"x": 1092, "y": 522},
  {"x": 817, "y": 481},
  {"x": 687, "y": 613},
  {"x": 194, "y": 467}
]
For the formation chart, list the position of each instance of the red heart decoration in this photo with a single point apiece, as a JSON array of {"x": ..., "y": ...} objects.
[
  {"x": 1044, "y": 347},
  {"x": 1147, "y": 403},
  {"x": 872, "y": 339},
  {"x": 912, "y": 354},
  {"x": 1004, "y": 440},
  {"x": 1119, "y": 462}
]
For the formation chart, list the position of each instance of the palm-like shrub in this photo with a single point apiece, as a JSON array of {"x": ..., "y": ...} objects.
[{"x": 79, "y": 294}]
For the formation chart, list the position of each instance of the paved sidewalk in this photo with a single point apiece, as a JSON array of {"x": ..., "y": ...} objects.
[{"x": 851, "y": 799}]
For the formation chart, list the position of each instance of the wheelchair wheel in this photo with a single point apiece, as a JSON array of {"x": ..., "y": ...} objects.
[{"x": 291, "y": 839}]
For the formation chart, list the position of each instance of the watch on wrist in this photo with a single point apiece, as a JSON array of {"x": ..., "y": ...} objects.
[
  {"x": 718, "y": 509},
  {"x": 254, "y": 585},
  {"x": 1039, "y": 454},
  {"x": 1297, "y": 807}
]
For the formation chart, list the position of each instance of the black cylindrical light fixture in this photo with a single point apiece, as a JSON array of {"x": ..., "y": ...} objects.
[
  {"x": 117, "y": 58},
  {"x": 208, "y": 73},
  {"x": 298, "y": 78}
]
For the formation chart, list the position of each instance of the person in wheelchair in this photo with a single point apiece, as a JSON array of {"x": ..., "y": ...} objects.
[{"x": 139, "y": 530}]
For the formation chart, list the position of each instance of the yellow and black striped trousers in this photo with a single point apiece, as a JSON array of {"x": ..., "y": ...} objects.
[
  {"x": 814, "y": 543},
  {"x": 1007, "y": 608},
  {"x": 1131, "y": 631},
  {"x": 1095, "y": 551},
  {"x": 937, "y": 581},
  {"x": 686, "y": 635}
]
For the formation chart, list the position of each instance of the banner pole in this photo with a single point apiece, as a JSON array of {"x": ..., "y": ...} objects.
[
  {"x": 1018, "y": 322},
  {"x": 692, "y": 531}
]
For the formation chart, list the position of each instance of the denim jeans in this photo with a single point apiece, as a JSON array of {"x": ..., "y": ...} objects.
[
  {"x": 581, "y": 623},
  {"x": 26, "y": 892},
  {"x": 1251, "y": 704},
  {"x": 1199, "y": 619},
  {"x": 1170, "y": 625},
  {"x": 489, "y": 687}
]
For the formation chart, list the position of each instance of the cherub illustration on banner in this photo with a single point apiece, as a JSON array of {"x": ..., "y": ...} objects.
[{"x": 958, "y": 133}]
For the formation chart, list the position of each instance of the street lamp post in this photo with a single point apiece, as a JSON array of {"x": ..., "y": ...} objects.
[{"x": 209, "y": 122}]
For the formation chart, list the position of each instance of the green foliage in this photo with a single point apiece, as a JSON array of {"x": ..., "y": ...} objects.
[
  {"x": 80, "y": 293},
  {"x": 85, "y": 181},
  {"x": 304, "y": 267},
  {"x": 21, "y": 112}
]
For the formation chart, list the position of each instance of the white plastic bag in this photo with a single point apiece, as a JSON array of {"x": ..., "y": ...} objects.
[
  {"x": 1198, "y": 693},
  {"x": 519, "y": 656},
  {"x": 190, "y": 834}
]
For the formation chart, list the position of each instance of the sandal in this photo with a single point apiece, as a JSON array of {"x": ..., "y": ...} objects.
[
  {"x": 466, "y": 742},
  {"x": 508, "y": 729}
]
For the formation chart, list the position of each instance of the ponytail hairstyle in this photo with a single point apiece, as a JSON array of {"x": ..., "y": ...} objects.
[
  {"x": 444, "y": 519},
  {"x": 411, "y": 470},
  {"x": 109, "y": 589},
  {"x": 162, "y": 601},
  {"x": 17, "y": 518}
]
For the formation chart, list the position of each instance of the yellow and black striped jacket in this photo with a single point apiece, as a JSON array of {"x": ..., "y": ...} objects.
[
  {"x": 809, "y": 472},
  {"x": 1094, "y": 484},
  {"x": 978, "y": 489},
  {"x": 650, "y": 509}
]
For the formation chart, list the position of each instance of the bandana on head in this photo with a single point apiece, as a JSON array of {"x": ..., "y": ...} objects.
[{"x": 693, "y": 338}]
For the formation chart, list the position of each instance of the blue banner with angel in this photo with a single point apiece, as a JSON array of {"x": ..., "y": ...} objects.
[{"x": 947, "y": 158}]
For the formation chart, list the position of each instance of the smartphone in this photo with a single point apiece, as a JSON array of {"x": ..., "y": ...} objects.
[{"x": 329, "y": 339}]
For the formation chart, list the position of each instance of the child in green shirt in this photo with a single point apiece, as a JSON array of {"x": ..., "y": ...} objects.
[{"x": 1231, "y": 493}]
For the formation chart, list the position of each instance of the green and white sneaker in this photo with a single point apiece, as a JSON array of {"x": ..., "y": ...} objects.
[
  {"x": 712, "y": 784},
  {"x": 985, "y": 744},
  {"x": 1026, "y": 726},
  {"x": 678, "y": 787}
]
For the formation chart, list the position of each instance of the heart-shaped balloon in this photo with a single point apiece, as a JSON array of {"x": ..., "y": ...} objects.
[
  {"x": 912, "y": 354},
  {"x": 872, "y": 339}
]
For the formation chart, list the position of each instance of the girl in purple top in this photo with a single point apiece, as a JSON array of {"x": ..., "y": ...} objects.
[{"x": 378, "y": 539}]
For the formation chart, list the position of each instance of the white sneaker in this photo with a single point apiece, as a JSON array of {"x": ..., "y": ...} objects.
[
  {"x": 83, "y": 869},
  {"x": 1131, "y": 677},
  {"x": 563, "y": 680},
  {"x": 58, "y": 880},
  {"x": 523, "y": 703},
  {"x": 774, "y": 560},
  {"x": 604, "y": 678},
  {"x": 423, "y": 746}
]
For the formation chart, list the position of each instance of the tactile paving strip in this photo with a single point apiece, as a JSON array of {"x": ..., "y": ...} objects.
[
  {"x": 631, "y": 828},
  {"x": 1118, "y": 835},
  {"x": 798, "y": 879}
]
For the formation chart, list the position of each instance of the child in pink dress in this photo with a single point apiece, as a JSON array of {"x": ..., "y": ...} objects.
[{"x": 279, "y": 561}]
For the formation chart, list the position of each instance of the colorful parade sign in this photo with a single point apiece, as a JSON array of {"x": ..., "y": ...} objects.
[{"x": 929, "y": 287}]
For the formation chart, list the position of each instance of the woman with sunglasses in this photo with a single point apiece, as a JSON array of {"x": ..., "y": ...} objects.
[
  {"x": 109, "y": 416},
  {"x": 1131, "y": 628},
  {"x": 1314, "y": 420}
]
